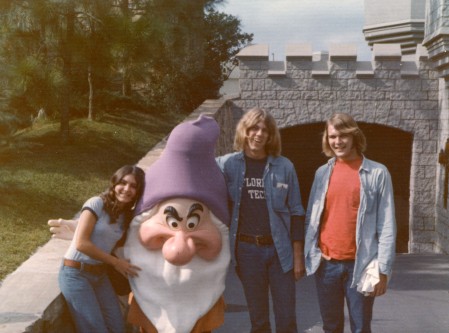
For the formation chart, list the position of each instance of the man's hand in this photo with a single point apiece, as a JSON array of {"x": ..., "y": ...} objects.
[
  {"x": 381, "y": 287},
  {"x": 299, "y": 267},
  {"x": 62, "y": 229}
]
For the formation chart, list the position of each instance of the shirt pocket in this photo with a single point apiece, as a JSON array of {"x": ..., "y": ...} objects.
[
  {"x": 279, "y": 198},
  {"x": 371, "y": 200}
]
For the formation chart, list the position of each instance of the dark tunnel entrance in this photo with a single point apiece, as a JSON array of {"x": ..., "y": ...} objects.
[{"x": 389, "y": 146}]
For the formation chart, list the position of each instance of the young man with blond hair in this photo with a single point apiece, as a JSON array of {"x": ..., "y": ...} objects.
[{"x": 350, "y": 228}]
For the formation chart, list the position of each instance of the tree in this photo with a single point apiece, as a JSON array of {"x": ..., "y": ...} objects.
[
  {"x": 66, "y": 50},
  {"x": 93, "y": 18},
  {"x": 29, "y": 74},
  {"x": 35, "y": 48},
  {"x": 54, "y": 49},
  {"x": 224, "y": 40},
  {"x": 68, "y": 56},
  {"x": 196, "y": 41}
]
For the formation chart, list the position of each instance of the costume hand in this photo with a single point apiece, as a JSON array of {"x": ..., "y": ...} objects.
[
  {"x": 62, "y": 229},
  {"x": 381, "y": 287},
  {"x": 125, "y": 267}
]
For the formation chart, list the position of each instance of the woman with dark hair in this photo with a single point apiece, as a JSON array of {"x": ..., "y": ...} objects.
[{"x": 83, "y": 277}]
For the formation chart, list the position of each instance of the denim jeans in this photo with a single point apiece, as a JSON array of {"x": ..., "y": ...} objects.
[
  {"x": 259, "y": 270},
  {"x": 91, "y": 300},
  {"x": 333, "y": 280}
]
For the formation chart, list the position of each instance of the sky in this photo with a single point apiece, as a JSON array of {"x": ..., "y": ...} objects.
[{"x": 317, "y": 22}]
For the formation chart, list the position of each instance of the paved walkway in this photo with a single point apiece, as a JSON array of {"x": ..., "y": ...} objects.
[{"x": 417, "y": 300}]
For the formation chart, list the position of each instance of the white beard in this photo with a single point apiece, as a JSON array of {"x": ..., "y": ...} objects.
[{"x": 173, "y": 297}]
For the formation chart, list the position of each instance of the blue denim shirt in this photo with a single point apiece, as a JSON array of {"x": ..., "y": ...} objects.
[
  {"x": 282, "y": 195},
  {"x": 376, "y": 223}
]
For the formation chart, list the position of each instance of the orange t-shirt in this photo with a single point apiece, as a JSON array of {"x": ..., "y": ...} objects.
[{"x": 338, "y": 227}]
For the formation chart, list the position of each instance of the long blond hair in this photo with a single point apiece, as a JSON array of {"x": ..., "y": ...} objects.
[
  {"x": 250, "y": 119},
  {"x": 343, "y": 123}
]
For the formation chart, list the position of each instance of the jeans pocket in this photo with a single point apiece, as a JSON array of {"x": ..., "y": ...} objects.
[{"x": 237, "y": 271}]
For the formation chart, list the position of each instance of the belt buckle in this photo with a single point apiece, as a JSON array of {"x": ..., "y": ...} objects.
[
  {"x": 258, "y": 240},
  {"x": 88, "y": 268},
  {"x": 82, "y": 266}
]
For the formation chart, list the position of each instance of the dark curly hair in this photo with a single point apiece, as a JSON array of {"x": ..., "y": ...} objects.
[{"x": 110, "y": 201}]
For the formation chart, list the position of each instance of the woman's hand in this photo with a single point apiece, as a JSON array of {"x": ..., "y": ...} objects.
[
  {"x": 63, "y": 229},
  {"x": 125, "y": 267}
]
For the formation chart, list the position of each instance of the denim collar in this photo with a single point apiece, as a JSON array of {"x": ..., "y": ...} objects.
[
  {"x": 271, "y": 160},
  {"x": 364, "y": 167}
]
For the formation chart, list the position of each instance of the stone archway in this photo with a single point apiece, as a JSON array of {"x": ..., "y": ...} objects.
[{"x": 389, "y": 146}]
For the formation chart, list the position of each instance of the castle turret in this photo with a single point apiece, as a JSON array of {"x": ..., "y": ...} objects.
[
  {"x": 436, "y": 38},
  {"x": 395, "y": 22}
]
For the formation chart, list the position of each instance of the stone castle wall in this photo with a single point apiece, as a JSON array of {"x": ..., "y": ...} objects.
[
  {"x": 392, "y": 90},
  {"x": 437, "y": 42},
  {"x": 442, "y": 213}
]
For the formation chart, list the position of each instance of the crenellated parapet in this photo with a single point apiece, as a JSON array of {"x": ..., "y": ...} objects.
[
  {"x": 389, "y": 85},
  {"x": 325, "y": 64},
  {"x": 391, "y": 89}
]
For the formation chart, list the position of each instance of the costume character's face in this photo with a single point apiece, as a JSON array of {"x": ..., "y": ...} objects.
[
  {"x": 183, "y": 251},
  {"x": 182, "y": 228}
]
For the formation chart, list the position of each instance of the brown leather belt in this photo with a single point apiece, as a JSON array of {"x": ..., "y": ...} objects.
[
  {"x": 337, "y": 261},
  {"x": 258, "y": 240},
  {"x": 94, "y": 269}
]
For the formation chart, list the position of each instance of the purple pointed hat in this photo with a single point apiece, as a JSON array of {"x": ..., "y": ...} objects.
[{"x": 187, "y": 169}]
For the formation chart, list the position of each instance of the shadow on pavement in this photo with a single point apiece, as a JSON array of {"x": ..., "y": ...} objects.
[{"x": 417, "y": 300}]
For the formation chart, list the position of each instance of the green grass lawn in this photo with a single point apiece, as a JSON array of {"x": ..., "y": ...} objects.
[{"x": 42, "y": 179}]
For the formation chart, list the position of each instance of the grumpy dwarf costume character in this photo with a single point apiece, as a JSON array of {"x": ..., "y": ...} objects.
[{"x": 179, "y": 237}]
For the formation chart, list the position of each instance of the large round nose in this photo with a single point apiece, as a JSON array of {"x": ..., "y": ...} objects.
[{"x": 179, "y": 249}]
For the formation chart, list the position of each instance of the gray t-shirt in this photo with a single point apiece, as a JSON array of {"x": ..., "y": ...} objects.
[{"x": 104, "y": 235}]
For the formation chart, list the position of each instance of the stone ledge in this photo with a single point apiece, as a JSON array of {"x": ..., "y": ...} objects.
[
  {"x": 389, "y": 52},
  {"x": 343, "y": 52},
  {"x": 298, "y": 52},
  {"x": 27, "y": 293},
  {"x": 256, "y": 51}
]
